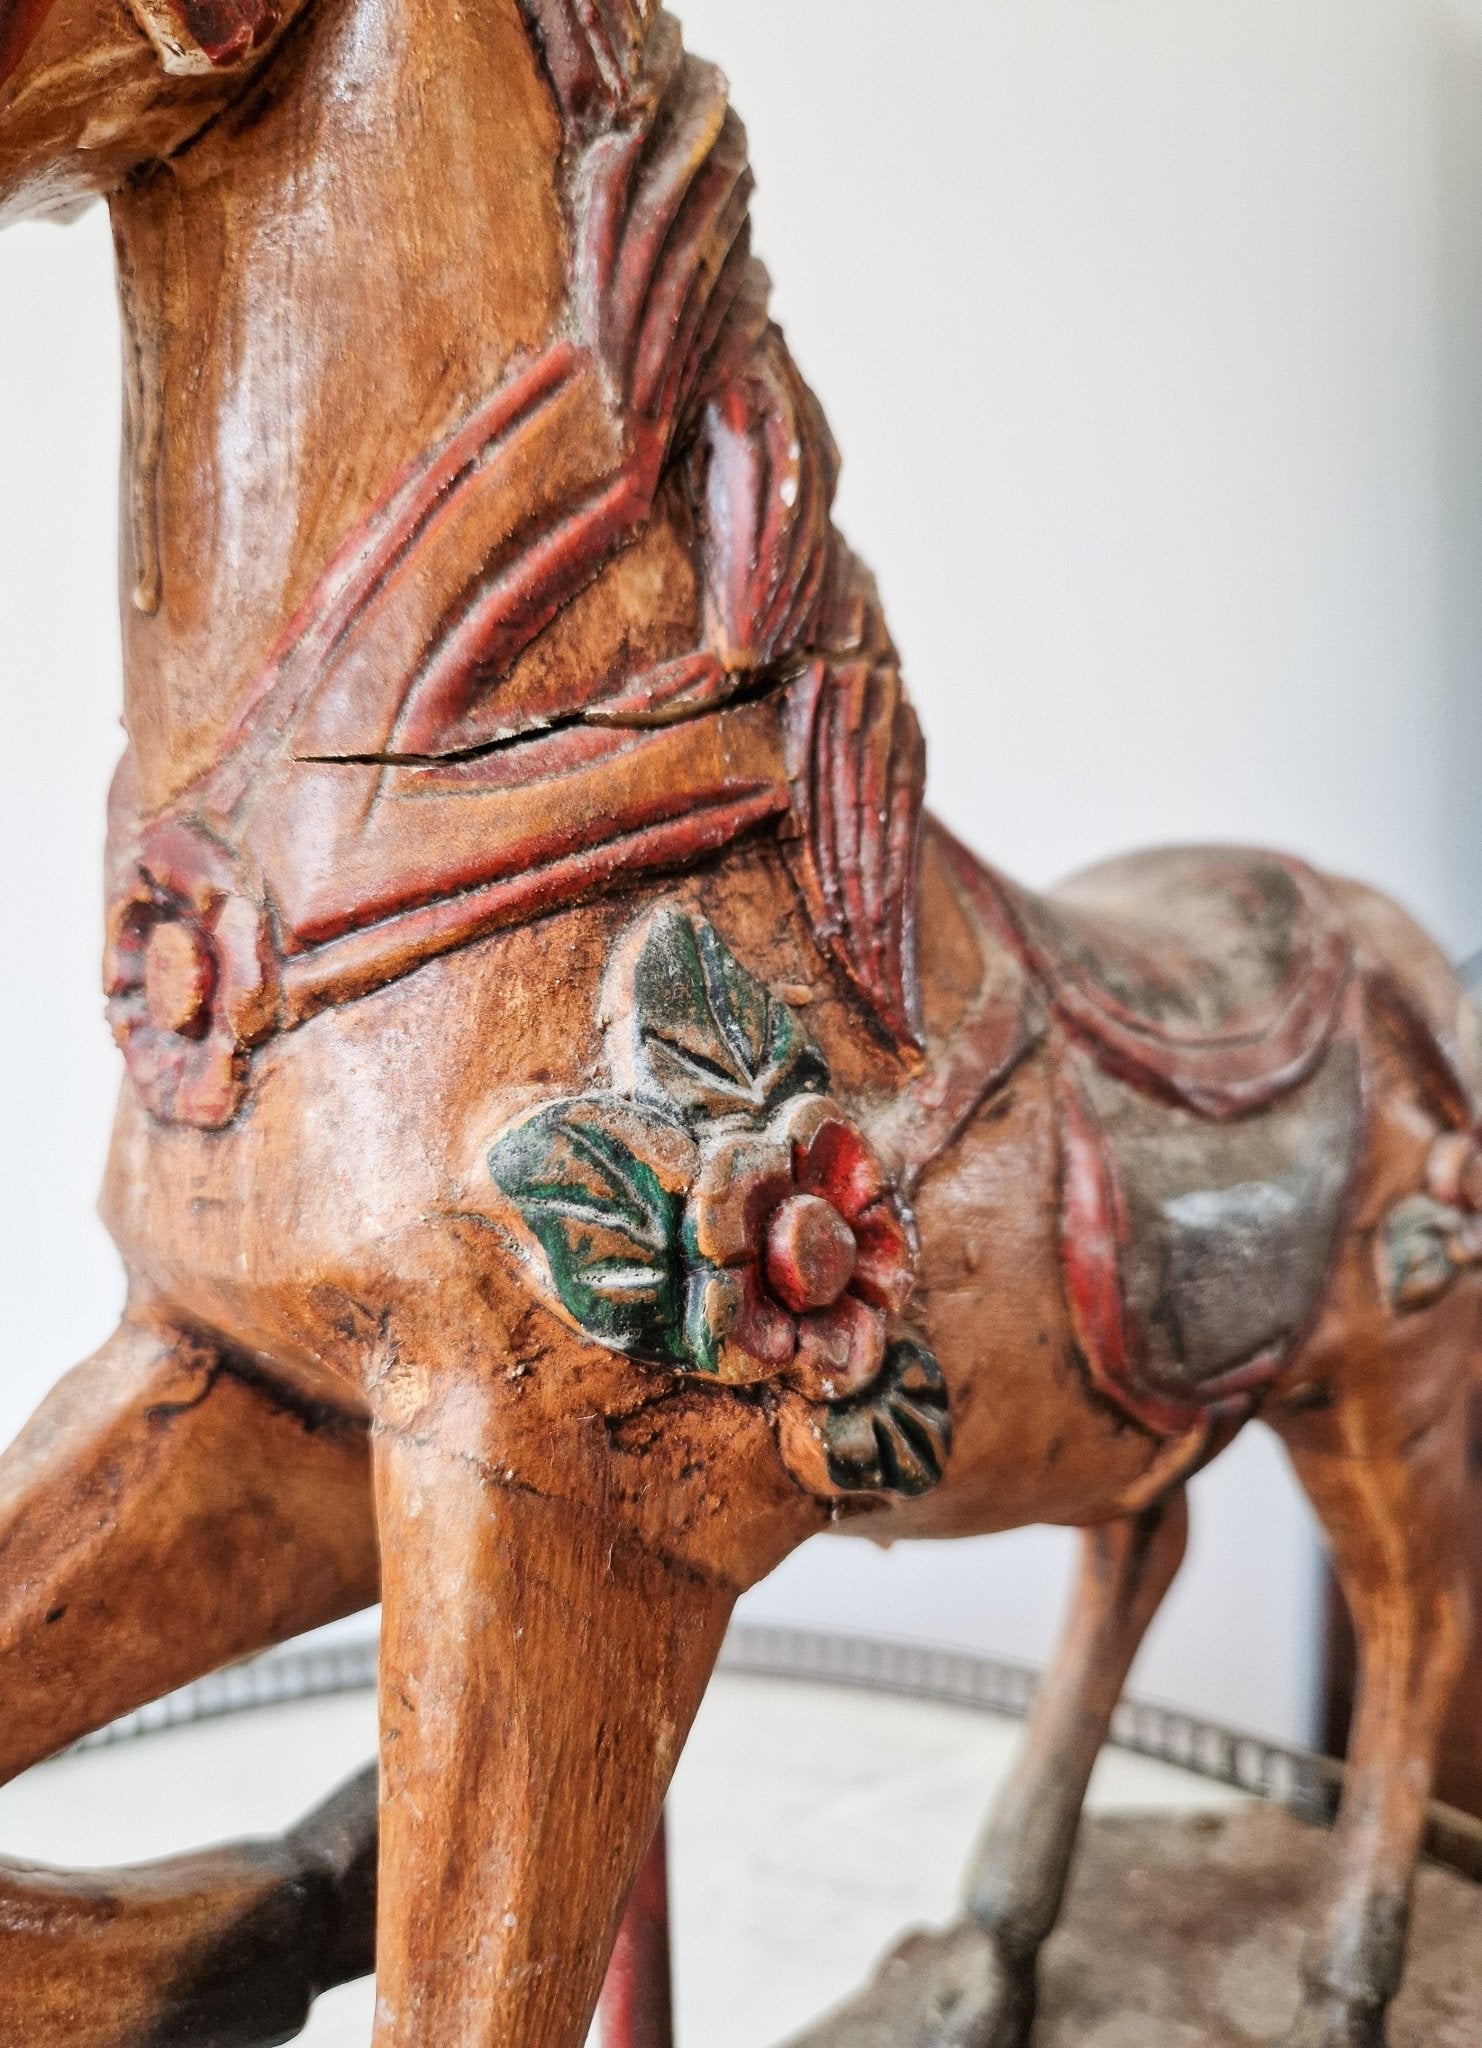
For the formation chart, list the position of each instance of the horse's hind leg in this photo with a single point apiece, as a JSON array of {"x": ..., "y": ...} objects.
[
  {"x": 161, "y": 1514},
  {"x": 1388, "y": 1489},
  {"x": 224, "y": 1948},
  {"x": 968, "y": 1992}
]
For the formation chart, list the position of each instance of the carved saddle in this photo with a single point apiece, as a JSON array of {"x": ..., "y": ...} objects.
[
  {"x": 1210, "y": 976},
  {"x": 1210, "y": 1116}
]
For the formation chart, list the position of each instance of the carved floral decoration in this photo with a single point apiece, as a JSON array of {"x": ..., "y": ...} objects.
[
  {"x": 716, "y": 1213},
  {"x": 1429, "y": 1240},
  {"x": 799, "y": 1253},
  {"x": 189, "y": 975}
]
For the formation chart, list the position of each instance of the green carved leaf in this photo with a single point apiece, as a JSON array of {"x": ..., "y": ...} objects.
[
  {"x": 709, "y": 1307},
  {"x": 702, "y": 1032},
  {"x": 1416, "y": 1244},
  {"x": 598, "y": 1185},
  {"x": 895, "y": 1437}
]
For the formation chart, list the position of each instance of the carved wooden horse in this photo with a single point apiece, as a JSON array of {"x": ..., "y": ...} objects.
[{"x": 583, "y": 1132}]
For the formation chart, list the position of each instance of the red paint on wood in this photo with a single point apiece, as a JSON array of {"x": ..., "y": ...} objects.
[
  {"x": 390, "y": 666},
  {"x": 402, "y": 521},
  {"x": 226, "y": 31},
  {"x": 502, "y": 622},
  {"x": 362, "y": 961},
  {"x": 811, "y": 1253},
  {"x": 1093, "y": 1237},
  {"x": 19, "y": 22},
  {"x": 1110, "y": 930},
  {"x": 637, "y": 2007}
]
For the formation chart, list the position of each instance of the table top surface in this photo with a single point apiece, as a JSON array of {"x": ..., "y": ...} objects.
[{"x": 811, "y": 1824}]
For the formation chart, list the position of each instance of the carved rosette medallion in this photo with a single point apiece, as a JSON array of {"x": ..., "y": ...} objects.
[
  {"x": 715, "y": 1213},
  {"x": 1430, "y": 1240},
  {"x": 189, "y": 974}
]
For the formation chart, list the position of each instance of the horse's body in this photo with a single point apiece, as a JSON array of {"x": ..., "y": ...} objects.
[{"x": 443, "y": 344}]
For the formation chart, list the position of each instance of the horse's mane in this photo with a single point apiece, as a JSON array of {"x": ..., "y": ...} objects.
[
  {"x": 659, "y": 187},
  {"x": 592, "y": 52}
]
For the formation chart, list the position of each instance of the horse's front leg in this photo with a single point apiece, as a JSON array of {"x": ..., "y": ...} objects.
[
  {"x": 975, "y": 1988},
  {"x": 167, "y": 1509},
  {"x": 1017, "y": 1884},
  {"x": 542, "y": 1658}
]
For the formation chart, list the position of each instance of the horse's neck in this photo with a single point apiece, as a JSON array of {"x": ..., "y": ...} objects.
[
  {"x": 589, "y": 609},
  {"x": 313, "y": 294}
]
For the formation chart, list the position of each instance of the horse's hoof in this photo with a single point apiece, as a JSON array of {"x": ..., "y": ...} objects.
[
  {"x": 948, "y": 1990},
  {"x": 1331, "y": 2023}
]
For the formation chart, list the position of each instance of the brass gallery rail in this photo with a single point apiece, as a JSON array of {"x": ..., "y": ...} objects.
[{"x": 1303, "y": 1783}]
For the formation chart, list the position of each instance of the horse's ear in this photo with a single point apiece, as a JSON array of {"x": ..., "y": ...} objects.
[{"x": 194, "y": 38}]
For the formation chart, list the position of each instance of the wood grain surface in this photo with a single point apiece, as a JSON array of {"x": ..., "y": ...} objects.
[{"x": 586, "y": 1129}]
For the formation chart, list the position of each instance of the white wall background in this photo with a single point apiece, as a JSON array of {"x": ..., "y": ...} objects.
[{"x": 1152, "y": 334}]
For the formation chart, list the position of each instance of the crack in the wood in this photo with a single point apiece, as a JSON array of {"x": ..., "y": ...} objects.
[
  {"x": 592, "y": 716},
  {"x": 455, "y": 757}
]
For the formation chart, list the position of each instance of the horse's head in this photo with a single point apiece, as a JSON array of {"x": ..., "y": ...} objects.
[{"x": 92, "y": 89}]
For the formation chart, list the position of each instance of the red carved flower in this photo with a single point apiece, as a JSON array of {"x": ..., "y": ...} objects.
[
  {"x": 190, "y": 975},
  {"x": 800, "y": 1254}
]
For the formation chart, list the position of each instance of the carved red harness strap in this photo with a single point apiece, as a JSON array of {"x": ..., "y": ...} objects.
[{"x": 391, "y": 790}]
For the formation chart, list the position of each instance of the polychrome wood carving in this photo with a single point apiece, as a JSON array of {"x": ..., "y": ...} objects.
[
  {"x": 585, "y": 1129},
  {"x": 723, "y": 1217}
]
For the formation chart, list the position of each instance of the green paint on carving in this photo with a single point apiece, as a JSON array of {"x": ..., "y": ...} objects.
[
  {"x": 703, "y": 1337},
  {"x": 896, "y": 1436},
  {"x": 608, "y": 1229},
  {"x": 1418, "y": 1264},
  {"x": 713, "y": 1039}
]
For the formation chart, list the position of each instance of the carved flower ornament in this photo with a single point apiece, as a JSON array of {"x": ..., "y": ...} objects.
[
  {"x": 1429, "y": 1240},
  {"x": 797, "y": 1254},
  {"x": 189, "y": 975},
  {"x": 716, "y": 1213}
]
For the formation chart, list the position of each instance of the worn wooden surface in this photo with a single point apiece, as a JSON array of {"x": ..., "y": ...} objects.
[
  {"x": 585, "y": 1130},
  {"x": 1178, "y": 1933},
  {"x": 1459, "y": 1767}
]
